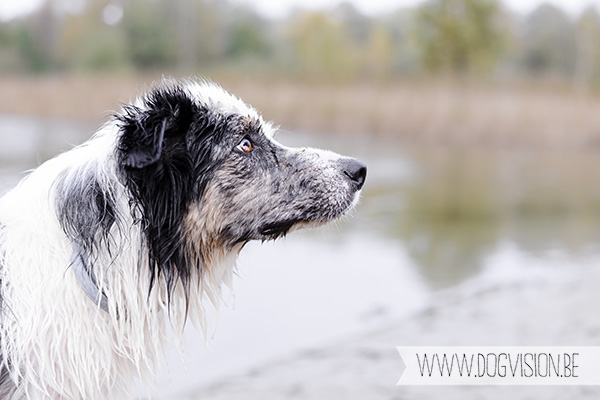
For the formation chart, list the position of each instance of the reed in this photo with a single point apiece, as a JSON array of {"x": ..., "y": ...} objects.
[{"x": 416, "y": 112}]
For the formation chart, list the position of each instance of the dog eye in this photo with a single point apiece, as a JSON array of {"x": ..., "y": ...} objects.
[{"x": 245, "y": 146}]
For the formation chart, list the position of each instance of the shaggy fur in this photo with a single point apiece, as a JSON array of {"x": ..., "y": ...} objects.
[{"x": 107, "y": 247}]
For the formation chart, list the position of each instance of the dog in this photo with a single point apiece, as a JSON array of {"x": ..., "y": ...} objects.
[{"x": 108, "y": 247}]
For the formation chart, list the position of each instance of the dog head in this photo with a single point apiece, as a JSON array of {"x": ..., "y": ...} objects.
[{"x": 206, "y": 176}]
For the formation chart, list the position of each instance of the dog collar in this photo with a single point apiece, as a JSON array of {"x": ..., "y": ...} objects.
[{"x": 87, "y": 279}]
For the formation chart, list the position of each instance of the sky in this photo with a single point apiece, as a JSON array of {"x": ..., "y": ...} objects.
[{"x": 277, "y": 8}]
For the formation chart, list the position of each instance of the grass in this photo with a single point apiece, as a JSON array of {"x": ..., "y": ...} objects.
[{"x": 416, "y": 112}]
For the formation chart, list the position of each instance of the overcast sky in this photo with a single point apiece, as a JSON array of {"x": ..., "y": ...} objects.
[{"x": 276, "y": 8}]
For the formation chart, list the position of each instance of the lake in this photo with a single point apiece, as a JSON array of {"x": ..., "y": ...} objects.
[{"x": 431, "y": 221}]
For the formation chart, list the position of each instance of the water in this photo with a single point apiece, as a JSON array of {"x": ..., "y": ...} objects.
[
  {"x": 430, "y": 221},
  {"x": 25, "y": 142}
]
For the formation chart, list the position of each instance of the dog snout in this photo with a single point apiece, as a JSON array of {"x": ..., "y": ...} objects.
[{"x": 355, "y": 170}]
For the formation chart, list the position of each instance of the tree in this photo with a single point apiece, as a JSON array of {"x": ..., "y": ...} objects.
[
  {"x": 247, "y": 39},
  {"x": 357, "y": 25},
  {"x": 151, "y": 33},
  {"x": 34, "y": 40},
  {"x": 587, "y": 31},
  {"x": 459, "y": 36},
  {"x": 549, "y": 42},
  {"x": 88, "y": 43},
  {"x": 380, "y": 51},
  {"x": 322, "y": 48}
]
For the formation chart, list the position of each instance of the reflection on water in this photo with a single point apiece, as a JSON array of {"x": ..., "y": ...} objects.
[
  {"x": 448, "y": 209},
  {"x": 451, "y": 209}
]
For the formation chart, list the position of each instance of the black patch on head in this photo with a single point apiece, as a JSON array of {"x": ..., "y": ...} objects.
[
  {"x": 168, "y": 117},
  {"x": 158, "y": 170},
  {"x": 165, "y": 154}
]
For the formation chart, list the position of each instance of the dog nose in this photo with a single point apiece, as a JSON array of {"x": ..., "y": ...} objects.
[{"x": 356, "y": 171}]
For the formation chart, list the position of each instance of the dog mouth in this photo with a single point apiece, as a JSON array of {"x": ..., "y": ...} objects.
[
  {"x": 278, "y": 228},
  {"x": 275, "y": 229}
]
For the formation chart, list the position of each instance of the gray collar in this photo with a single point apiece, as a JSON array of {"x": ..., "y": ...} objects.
[{"x": 87, "y": 279}]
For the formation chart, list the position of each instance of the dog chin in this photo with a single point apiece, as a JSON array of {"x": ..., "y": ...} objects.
[{"x": 275, "y": 230}]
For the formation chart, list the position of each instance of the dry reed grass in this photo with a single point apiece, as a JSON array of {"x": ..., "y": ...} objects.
[{"x": 431, "y": 113}]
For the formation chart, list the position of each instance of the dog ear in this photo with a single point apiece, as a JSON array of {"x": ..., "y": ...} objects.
[
  {"x": 168, "y": 114},
  {"x": 156, "y": 158},
  {"x": 142, "y": 145}
]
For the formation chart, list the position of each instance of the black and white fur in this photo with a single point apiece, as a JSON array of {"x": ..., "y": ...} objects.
[{"x": 106, "y": 248}]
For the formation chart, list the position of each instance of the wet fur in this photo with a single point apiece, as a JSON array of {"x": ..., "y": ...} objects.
[{"x": 157, "y": 205}]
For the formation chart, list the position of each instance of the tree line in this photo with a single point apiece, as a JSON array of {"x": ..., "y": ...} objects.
[{"x": 459, "y": 38}]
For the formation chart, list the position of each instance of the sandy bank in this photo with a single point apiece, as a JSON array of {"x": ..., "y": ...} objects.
[{"x": 538, "y": 310}]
